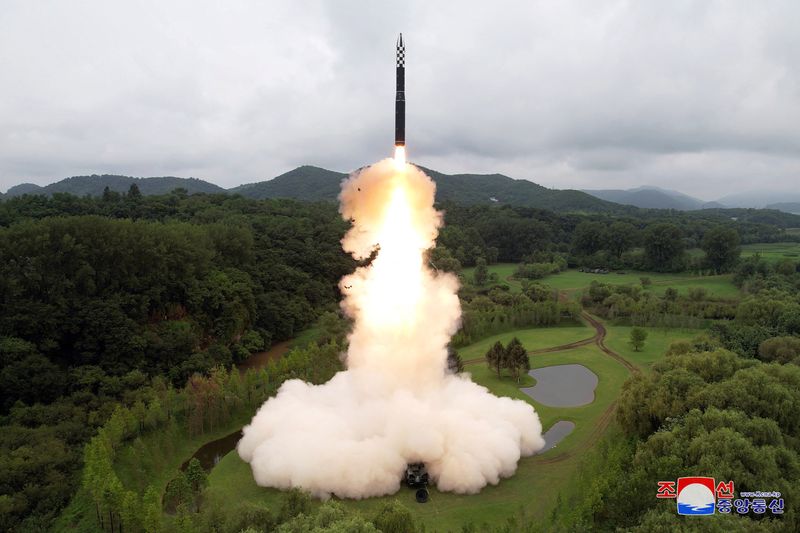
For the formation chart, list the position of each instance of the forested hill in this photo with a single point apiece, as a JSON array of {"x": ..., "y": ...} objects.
[
  {"x": 313, "y": 183},
  {"x": 305, "y": 183},
  {"x": 476, "y": 189},
  {"x": 94, "y": 185}
]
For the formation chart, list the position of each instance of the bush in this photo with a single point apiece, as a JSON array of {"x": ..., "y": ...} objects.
[{"x": 780, "y": 350}]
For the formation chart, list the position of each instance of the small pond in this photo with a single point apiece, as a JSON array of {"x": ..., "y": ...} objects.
[
  {"x": 562, "y": 385},
  {"x": 556, "y": 434},
  {"x": 210, "y": 453}
]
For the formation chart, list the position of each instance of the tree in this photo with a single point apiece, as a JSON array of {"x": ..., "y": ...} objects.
[
  {"x": 151, "y": 510},
  {"x": 196, "y": 476},
  {"x": 587, "y": 238},
  {"x": 638, "y": 336},
  {"x": 395, "y": 518},
  {"x": 516, "y": 358},
  {"x": 663, "y": 247},
  {"x": 721, "y": 245},
  {"x": 620, "y": 237},
  {"x": 296, "y": 502},
  {"x": 780, "y": 349},
  {"x": 481, "y": 271},
  {"x": 454, "y": 363},
  {"x": 131, "y": 512},
  {"x": 496, "y": 357},
  {"x": 178, "y": 491},
  {"x": 443, "y": 260},
  {"x": 133, "y": 192}
]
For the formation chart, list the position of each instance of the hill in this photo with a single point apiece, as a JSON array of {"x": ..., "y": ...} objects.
[
  {"x": 314, "y": 183},
  {"x": 760, "y": 198},
  {"x": 649, "y": 197},
  {"x": 307, "y": 183},
  {"x": 95, "y": 184},
  {"x": 789, "y": 207},
  {"x": 24, "y": 188}
]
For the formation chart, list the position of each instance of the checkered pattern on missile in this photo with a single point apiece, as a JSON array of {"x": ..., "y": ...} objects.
[{"x": 401, "y": 55}]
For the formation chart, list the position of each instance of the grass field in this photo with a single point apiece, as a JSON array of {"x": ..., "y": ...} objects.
[
  {"x": 658, "y": 340},
  {"x": 532, "y": 339},
  {"x": 534, "y": 487},
  {"x": 573, "y": 281},
  {"x": 773, "y": 251}
]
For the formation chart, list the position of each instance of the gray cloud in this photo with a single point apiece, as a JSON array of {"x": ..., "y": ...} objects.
[{"x": 699, "y": 96}]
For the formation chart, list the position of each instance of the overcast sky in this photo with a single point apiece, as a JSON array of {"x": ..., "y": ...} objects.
[{"x": 703, "y": 97}]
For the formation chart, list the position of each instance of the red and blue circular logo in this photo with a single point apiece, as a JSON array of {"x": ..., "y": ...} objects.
[{"x": 696, "y": 496}]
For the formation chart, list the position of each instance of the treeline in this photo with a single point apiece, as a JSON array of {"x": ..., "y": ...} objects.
[
  {"x": 509, "y": 234},
  {"x": 638, "y": 306},
  {"x": 771, "y": 307},
  {"x": 485, "y": 313}
]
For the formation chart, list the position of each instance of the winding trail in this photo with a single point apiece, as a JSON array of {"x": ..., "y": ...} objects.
[{"x": 598, "y": 339}]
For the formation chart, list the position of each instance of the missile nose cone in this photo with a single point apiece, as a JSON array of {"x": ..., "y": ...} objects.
[{"x": 400, "y": 40}]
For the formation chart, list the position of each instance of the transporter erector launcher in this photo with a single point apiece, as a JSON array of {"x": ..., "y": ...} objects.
[{"x": 400, "y": 97}]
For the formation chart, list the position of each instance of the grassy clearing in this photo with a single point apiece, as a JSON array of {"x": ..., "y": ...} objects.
[
  {"x": 532, "y": 339},
  {"x": 305, "y": 337},
  {"x": 534, "y": 486},
  {"x": 773, "y": 251},
  {"x": 574, "y": 281},
  {"x": 658, "y": 340}
]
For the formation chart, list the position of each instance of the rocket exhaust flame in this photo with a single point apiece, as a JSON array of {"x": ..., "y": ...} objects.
[
  {"x": 400, "y": 157},
  {"x": 396, "y": 403}
]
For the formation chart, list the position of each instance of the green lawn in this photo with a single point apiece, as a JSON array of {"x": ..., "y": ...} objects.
[
  {"x": 773, "y": 251},
  {"x": 658, "y": 340},
  {"x": 532, "y": 339},
  {"x": 534, "y": 486},
  {"x": 572, "y": 280}
]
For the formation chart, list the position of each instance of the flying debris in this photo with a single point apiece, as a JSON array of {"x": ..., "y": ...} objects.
[{"x": 400, "y": 96}]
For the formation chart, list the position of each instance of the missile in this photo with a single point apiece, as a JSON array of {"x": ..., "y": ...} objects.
[{"x": 400, "y": 96}]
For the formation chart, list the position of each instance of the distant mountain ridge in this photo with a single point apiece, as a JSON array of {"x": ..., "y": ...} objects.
[
  {"x": 788, "y": 207},
  {"x": 310, "y": 183},
  {"x": 95, "y": 184},
  {"x": 650, "y": 198},
  {"x": 761, "y": 198},
  {"x": 314, "y": 183}
]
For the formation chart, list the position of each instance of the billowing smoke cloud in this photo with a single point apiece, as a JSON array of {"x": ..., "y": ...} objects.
[{"x": 395, "y": 404}]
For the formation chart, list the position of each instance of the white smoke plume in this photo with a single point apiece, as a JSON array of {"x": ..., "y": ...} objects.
[{"x": 395, "y": 404}]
